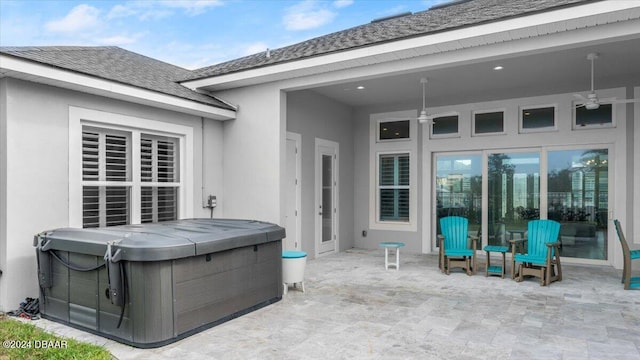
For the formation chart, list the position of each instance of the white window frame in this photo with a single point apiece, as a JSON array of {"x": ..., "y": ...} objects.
[
  {"x": 574, "y": 118},
  {"x": 377, "y": 148},
  {"x": 79, "y": 117},
  {"x": 444, "y": 136},
  {"x": 504, "y": 122},
  {"x": 521, "y": 128},
  {"x": 381, "y": 121}
]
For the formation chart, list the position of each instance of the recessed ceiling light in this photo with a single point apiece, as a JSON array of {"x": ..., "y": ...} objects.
[
  {"x": 360, "y": 87},
  {"x": 499, "y": 67}
]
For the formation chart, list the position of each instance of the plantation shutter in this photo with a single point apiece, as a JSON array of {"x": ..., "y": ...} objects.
[
  {"x": 394, "y": 187},
  {"x": 159, "y": 195},
  {"x": 106, "y": 176}
]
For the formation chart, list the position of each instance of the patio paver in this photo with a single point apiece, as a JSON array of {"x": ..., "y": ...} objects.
[{"x": 354, "y": 309}]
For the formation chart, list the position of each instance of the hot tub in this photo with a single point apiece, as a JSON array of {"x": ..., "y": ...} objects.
[{"x": 150, "y": 285}]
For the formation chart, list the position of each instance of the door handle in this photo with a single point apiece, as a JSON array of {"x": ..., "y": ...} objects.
[{"x": 320, "y": 213}]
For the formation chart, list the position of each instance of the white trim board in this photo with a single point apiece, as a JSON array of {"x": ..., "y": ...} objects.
[{"x": 29, "y": 71}]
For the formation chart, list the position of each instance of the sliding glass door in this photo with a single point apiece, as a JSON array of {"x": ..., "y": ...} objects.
[
  {"x": 578, "y": 198},
  {"x": 574, "y": 192}
]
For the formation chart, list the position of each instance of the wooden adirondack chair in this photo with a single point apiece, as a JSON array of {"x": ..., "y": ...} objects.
[
  {"x": 542, "y": 258},
  {"x": 457, "y": 248},
  {"x": 629, "y": 255}
]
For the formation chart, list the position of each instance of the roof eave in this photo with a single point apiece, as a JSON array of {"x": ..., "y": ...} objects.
[
  {"x": 15, "y": 67},
  {"x": 528, "y": 26}
]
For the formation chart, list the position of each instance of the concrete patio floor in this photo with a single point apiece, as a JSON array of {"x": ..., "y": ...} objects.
[{"x": 354, "y": 309}]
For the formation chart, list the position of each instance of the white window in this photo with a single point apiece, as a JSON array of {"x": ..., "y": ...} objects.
[
  {"x": 445, "y": 127},
  {"x": 127, "y": 170},
  {"x": 488, "y": 122},
  {"x": 107, "y": 180},
  {"x": 538, "y": 118},
  {"x": 394, "y": 187},
  {"x": 394, "y": 130},
  {"x": 593, "y": 118},
  {"x": 393, "y": 171}
]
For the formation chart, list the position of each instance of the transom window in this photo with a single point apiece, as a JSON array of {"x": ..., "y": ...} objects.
[
  {"x": 114, "y": 178},
  {"x": 394, "y": 130},
  {"x": 445, "y": 126},
  {"x": 535, "y": 119},
  {"x": 488, "y": 123},
  {"x": 590, "y": 118}
]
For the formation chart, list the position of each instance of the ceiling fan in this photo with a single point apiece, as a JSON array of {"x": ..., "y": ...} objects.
[
  {"x": 424, "y": 116},
  {"x": 591, "y": 101}
]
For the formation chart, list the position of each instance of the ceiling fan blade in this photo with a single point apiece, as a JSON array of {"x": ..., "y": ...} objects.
[
  {"x": 580, "y": 105},
  {"x": 581, "y": 97},
  {"x": 624, "y": 101},
  {"x": 444, "y": 114}
]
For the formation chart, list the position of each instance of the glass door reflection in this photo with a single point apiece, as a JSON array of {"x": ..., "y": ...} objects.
[
  {"x": 513, "y": 195},
  {"x": 458, "y": 185},
  {"x": 578, "y": 198}
]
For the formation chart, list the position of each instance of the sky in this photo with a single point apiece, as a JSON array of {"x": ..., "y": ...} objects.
[{"x": 191, "y": 34}]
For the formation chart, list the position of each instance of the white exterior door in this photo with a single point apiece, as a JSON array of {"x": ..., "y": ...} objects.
[
  {"x": 326, "y": 204},
  {"x": 292, "y": 214}
]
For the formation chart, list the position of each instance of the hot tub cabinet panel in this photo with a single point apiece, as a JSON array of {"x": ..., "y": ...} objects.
[{"x": 170, "y": 292}]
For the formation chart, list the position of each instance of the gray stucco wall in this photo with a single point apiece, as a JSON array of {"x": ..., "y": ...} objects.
[
  {"x": 35, "y": 175},
  {"x": 316, "y": 116}
]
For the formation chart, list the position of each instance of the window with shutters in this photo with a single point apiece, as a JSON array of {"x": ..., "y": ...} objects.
[
  {"x": 122, "y": 176},
  {"x": 393, "y": 169},
  {"x": 394, "y": 187}
]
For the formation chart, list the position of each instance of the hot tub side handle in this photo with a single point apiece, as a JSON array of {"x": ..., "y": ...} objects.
[
  {"x": 115, "y": 276},
  {"x": 117, "y": 279},
  {"x": 44, "y": 261}
]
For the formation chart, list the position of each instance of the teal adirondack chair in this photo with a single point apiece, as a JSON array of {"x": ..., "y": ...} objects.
[
  {"x": 628, "y": 254},
  {"x": 542, "y": 257},
  {"x": 457, "y": 248}
]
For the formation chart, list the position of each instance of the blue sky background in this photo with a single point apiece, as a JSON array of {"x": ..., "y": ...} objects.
[{"x": 190, "y": 34}]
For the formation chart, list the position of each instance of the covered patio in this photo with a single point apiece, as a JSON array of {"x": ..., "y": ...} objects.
[{"x": 354, "y": 309}]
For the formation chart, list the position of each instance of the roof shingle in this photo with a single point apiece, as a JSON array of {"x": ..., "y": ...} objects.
[
  {"x": 458, "y": 14},
  {"x": 116, "y": 64}
]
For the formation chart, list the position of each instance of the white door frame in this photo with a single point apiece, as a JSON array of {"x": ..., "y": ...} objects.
[
  {"x": 328, "y": 247},
  {"x": 297, "y": 231}
]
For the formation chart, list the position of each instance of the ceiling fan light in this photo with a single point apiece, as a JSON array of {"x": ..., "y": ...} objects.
[{"x": 592, "y": 106}]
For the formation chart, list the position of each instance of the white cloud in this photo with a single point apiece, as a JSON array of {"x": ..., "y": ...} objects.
[
  {"x": 120, "y": 40},
  {"x": 143, "y": 10},
  {"x": 306, "y": 15},
  {"x": 119, "y": 11},
  {"x": 339, "y": 4},
  {"x": 156, "y": 10},
  {"x": 81, "y": 17},
  {"x": 196, "y": 7}
]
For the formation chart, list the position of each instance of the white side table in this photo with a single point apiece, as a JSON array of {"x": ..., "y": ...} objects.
[{"x": 391, "y": 245}]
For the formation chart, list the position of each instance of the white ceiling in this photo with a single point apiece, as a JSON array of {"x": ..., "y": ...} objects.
[{"x": 561, "y": 71}]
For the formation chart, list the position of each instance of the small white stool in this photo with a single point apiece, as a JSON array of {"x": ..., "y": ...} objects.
[
  {"x": 391, "y": 245},
  {"x": 293, "y": 265}
]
